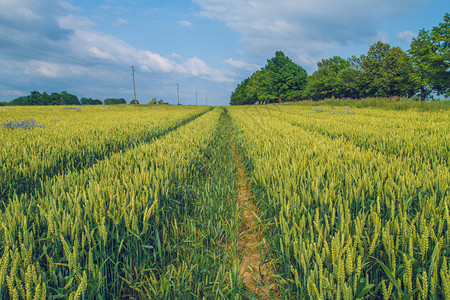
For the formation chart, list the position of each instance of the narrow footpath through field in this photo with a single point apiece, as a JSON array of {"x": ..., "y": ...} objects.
[{"x": 255, "y": 267}]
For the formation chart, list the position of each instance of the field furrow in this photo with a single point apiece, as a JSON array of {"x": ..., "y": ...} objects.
[
  {"x": 73, "y": 138},
  {"x": 144, "y": 223},
  {"x": 421, "y": 138},
  {"x": 345, "y": 218},
  {"x": 256, "y": 202}
]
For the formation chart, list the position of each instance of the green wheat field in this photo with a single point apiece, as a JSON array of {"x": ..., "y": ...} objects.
[{"x": 139, "y": 202}]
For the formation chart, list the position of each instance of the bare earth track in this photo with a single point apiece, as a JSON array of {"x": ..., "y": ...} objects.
[{"x": 257, "y": 273}]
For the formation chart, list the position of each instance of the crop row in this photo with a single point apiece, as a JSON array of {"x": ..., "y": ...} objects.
[
  {"x": 348, "y": 221},
  {"x": 74, "y": 138},
  {"x": 156, "y": 222},
  {"x": 421, "y": 138}
]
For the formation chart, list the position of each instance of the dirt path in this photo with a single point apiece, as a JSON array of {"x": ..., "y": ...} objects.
[{"x": 257, "y": 275}]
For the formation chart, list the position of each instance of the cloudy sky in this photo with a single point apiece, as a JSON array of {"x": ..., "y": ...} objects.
[{"x": 87, "y": 47}]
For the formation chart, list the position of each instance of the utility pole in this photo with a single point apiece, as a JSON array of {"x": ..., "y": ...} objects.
[
  {"x": 178, "y": 93},
  {"x": 196, "y": 102},
  {"x": 134, "y": 85}
]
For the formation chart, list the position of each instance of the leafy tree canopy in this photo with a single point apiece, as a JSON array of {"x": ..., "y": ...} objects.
[
  {"x": 280, "y": 80},
  {"x": 430, "y": 54},
  {"x": 335, "y": 77},
  {"x": 36, "y": 98},
  {"x": 112, "y": 101},
  {"x": 90, "y": 101},
  {"x": 387, "y": 72}
]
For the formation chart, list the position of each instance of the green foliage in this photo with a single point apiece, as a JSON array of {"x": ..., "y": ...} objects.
[
  {"x": 134, "y": 101},
  {"x": 286, "y": 79},
  {"x": 111, "y": 101},
  {"x": 384, "y": 71},
  {"x": 90, "y": 101},
  {"x": 153, "y": 101},
  {"x": 36, "y": 98},
  {"x": 387, "y": 72},
  {"x": 335, "y": 77},
  {"x": 279, "y": 81},
  {"x": 430, "y": 54}
]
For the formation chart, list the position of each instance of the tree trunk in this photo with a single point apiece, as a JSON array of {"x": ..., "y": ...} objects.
[{"x": 424, "y": 93}]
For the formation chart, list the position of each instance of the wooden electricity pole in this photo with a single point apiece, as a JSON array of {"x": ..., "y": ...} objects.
[
  {"x": 134, "y": 85},
  {"x": 178, "y": 93}
]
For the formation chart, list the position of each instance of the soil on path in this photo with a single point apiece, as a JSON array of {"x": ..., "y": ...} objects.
[{"x": 255, "y": 265}]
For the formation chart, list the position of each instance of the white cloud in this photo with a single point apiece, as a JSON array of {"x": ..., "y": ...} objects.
[
  {"x": 75, "y": 22},
  {"x": 382, "y": 37},
  {"x": 185, "y": 23},
  {"x": 122, "y": 21},
  {"x": 27, "y": 14},
  {"x": 239, "y": 64},
  {"x": 196, "y": 67},
  {"x": 67, "y": 6},
  {"x": 100, "y": 54},
  {"x": 88, "y": 43},
  {"x": 176, "y": 55},
  {"x": 53, "y": 70},
  {"x": 406, "y": 36},
  {"x": 306, "y": 29}
]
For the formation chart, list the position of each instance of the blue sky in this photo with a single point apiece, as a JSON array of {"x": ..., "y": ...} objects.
[{"x": 206, "y": 46}]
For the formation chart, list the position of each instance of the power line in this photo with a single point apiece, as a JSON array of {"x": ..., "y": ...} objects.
[{"x": 18, "y": 44}]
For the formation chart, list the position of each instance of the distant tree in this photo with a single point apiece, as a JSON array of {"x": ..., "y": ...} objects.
[
  {"x": 90, "y": 101},
  {"x": 280, "y": 80},
  {"x": 430, "y": 54},
  {"x": 387, "y": 72},
  {"x": 36, "y": 98},
  {"x": 134, "y": 101},
  {"x": 160, "y": 101},
  {"x": 44, "y": 99},
  {"x": 23, "y": 100},
  {"x": 335, "y": 77},
  {"x": 112, "y": 101},
  {"x": 287, "y": 78},
  {"x": 54, "y": 99},
  {"x": 69, "y": 99},
  {"x": 243, "y": 93},
  {"x": 153, "y": 101}
]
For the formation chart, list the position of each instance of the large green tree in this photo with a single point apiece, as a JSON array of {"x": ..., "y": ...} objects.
[
  {"x": 430, "y": 54},
  {"x": 387, "y": 72},
  {"x": 279, "y": 81},
  {"x": 287, "y": 78},
  {"x": 69, "y": 99},
  {"x": 335, "y": 77}
]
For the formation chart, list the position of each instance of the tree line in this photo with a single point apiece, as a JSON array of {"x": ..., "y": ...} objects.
[
  {"x": 63, "y": 98},
  {"x": 384, "y": 71}
]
